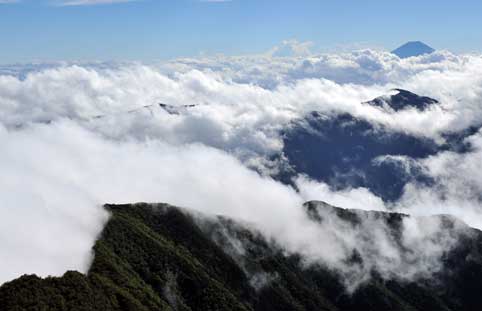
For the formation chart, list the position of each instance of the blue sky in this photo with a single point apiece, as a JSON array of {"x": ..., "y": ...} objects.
[{"x": 43, "y": 30}]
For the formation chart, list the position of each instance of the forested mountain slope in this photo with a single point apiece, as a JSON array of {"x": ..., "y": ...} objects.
[{"x": 159, "y": 257}]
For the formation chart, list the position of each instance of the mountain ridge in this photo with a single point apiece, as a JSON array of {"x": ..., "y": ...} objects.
[
  {"x": 346, "y": 151},
  {"x": 160, "y": 257}
]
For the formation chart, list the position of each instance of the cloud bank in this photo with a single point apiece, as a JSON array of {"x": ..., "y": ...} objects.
[{"x": 77, "y": 136}]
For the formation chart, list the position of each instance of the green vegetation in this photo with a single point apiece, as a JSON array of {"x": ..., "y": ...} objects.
[{"x": 157, "y": 257}]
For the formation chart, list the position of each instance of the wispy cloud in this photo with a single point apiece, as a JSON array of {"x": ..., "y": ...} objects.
[{"x": 90, "y": 2}]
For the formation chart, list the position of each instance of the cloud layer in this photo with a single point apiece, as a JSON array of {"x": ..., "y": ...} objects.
[{"x": 77, "y": 136}]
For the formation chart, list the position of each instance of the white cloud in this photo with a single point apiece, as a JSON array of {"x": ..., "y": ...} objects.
[
  {"x": 54, "y": 211},
  {"x": 59, "y": 162},
  {"x": 289, "y": 48}
]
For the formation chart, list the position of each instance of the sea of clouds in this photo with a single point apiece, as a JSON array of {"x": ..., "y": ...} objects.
[{"x": 76, "y": 136}]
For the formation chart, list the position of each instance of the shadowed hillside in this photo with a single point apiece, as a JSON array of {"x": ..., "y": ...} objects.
[{"x": 349, "y": 152}]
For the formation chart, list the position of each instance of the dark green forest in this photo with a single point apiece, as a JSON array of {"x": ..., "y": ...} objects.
[{"x": 159, "y": 257}]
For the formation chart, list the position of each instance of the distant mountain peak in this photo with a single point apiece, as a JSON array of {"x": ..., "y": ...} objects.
[
  {"x": 413, "y": 48},
  {"x": 403, "y": 99}
]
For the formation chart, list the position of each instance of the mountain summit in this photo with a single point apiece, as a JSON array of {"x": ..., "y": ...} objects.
[{"x": 413, "y": 48}]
